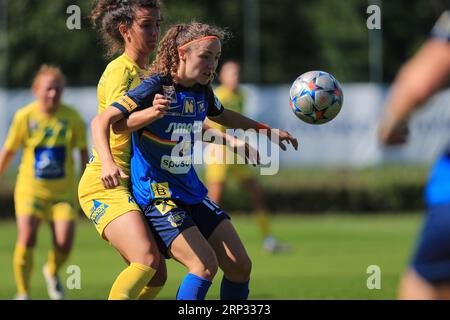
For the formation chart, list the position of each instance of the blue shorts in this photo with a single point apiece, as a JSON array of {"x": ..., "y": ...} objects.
[
  {"x": 432, "y": 256},
  {"x": 168, "y": 218}
]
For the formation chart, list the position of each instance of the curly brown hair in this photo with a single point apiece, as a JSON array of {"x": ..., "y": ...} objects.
[
  {"x": 167, "y": 60},
  {"x": 108, "y": 15}
]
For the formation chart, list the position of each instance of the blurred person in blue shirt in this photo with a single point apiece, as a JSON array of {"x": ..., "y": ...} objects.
[{"x": 428, "y": 276}]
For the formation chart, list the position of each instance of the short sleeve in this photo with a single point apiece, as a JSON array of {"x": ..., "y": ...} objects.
[
  {"x": 215, "y": 107},
  {"x": 117, "y": 82},
  {"x": 140, "y": 97},
  {"x": 79, "y": 136},
  {"x": 17, "y": 132}
]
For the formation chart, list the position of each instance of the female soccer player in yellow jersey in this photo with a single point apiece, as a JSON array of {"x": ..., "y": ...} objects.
[
  {"x": 189, "y": 227},
  {"x": 48, "y": 131},
  {"x": 133, "y": 28}
]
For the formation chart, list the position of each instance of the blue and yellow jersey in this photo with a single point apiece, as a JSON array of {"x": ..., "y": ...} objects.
[
  {"x": 162, "y": 155},
  {"x": 233, "y": 100},
  {"x": 47, "y": 167},
  {"x": 120, "y": 76}
]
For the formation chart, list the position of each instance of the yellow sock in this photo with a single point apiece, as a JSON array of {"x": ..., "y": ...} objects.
[
  {"x": 131, "y": 281},
  {"x": 149, "y": 293},
  {"x": 56, "y": 259},
  {"x": 22, "y": 265},
  {"x": 262, "y": 218}
]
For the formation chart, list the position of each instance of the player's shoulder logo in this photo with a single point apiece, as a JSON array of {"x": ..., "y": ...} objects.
[{"x": 127, "y": 103}]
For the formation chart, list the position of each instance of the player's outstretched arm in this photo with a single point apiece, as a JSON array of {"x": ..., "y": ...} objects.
[
  {"x": 100, "y": 126},
  {"x": 140, "y": 119},
  {"x": 231, "y": 119},
  {"x": 423, "y": 75},
  {"x": 6, "y": 156},
  {"x": 216, "y": 136}
]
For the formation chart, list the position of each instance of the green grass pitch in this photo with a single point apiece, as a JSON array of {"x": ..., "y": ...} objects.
[{"x": 328, "y": 259}]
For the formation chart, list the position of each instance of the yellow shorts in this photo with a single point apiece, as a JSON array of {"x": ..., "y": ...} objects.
[
  {"x": 101, "y": 205},
  {"x": 216, "y": 173},
  {"x": 48, "y": 209}
]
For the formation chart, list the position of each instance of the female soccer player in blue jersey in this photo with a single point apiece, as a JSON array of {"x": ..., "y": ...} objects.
[
  {"x": 427, "y": 72},
  {"x": 189, "y": 227},
  {"x": 131, "y": 28}
]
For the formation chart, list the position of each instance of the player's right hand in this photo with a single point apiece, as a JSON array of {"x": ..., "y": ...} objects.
[
  {"x": 279, "y": 136},
  {"x": 159, "y": 107},
  {"x": 111, "y": 175}
]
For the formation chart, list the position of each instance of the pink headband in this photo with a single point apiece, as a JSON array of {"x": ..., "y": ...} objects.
[{"x": 182, "y": 47}]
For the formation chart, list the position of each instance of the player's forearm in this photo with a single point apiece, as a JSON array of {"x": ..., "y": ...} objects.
[
  {"x": 6, "y": 157},
  {"x": 401, "y": 102},
  {"x": 418, "y": 80},
  {"x": 216, "y": 136},
  {"x": 100, "y": 134},
  {"x": 236, "y": 120},
  {"x": 137, "y": 120}
]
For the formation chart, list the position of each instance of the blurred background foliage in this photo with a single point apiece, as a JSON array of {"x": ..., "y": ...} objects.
[{"x": 295, "y": 36}]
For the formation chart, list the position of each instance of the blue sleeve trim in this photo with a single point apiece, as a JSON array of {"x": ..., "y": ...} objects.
[{"x": 121, "y": 108}]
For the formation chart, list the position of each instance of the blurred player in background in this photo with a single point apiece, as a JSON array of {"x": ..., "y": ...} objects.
[
  {"x": 427, "y": 72},
  {"x": 131, "y": 28},
  {"x": 48, "y": 131},
  {"x": 216, "y": 174}
]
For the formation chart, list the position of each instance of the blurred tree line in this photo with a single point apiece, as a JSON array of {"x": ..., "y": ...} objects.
[{"x": 295, "y": 36}]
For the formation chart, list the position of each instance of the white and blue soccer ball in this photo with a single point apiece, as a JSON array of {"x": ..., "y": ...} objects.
[{"x": 316, "y": 97}]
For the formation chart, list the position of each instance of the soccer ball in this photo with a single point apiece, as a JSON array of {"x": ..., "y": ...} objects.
[{"x": 316, "y": 97}]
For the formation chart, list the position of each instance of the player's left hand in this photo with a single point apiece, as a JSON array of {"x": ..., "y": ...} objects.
[
  {"x": 391, "y": 133},
  {"x": 283, "y": 136}
]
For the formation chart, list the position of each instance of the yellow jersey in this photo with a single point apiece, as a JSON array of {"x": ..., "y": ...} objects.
[
  {"x": 121, "y": 75},
  {"x": 47, "y": 168},
  {"x": 231, "y": 100}
]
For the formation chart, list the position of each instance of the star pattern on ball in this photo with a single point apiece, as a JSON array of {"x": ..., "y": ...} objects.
[{"x": 317, "y": 93}]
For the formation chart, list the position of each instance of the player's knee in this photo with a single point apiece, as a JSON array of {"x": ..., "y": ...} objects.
[
  {"x": 64, "y": 246},
  {"x": 152, "y": 260},
  {"x": 240, "y": 270},
  {"x": 160, "y": 278},
  {"x": 149, "y": 258},
  {"x": 206, "y": 268},
  {"x": 244, "y": 267},
  {"x": 27, "y": 240}
]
